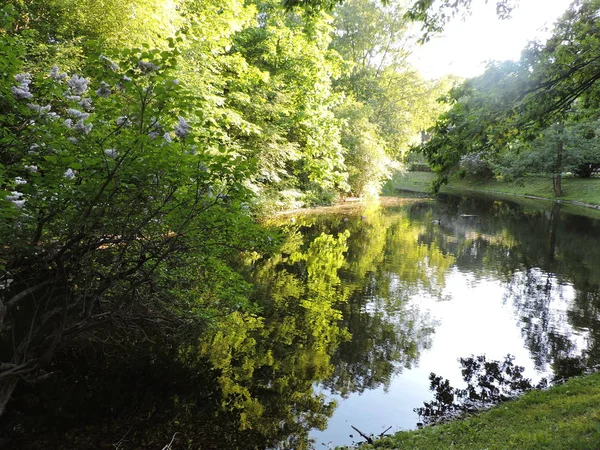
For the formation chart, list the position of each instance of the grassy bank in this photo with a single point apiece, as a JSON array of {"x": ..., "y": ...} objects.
[
  {"x": 584, "y": 190},
  {"x": 563, "y": 417}
]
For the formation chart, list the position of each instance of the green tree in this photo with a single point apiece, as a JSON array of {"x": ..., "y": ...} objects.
[
  {"x": 435, "y": 15},
  {"x": 386, "y": 335},
  {"x": 107, "y": 190},
  {"x": 392, "y": 102},
  {"x": 286, "y": 93},
  {"x": 365, "y": 156},
  {"x": 513, "y": 103},
  {"x": 433, "y": 19},
  {"x": 268, "y": 364}
]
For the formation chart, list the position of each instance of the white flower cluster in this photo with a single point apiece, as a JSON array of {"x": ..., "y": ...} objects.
[
  {"x": 55, "y": 75},
  {"x": 77, "y": 114},
  {"x": 41, "y": 110},
  {"x": 110, "y": 63},
  {"x": 104, "y": 90},
  {"x": 156, "y": 129},
  {"x": 82, "y": 127},
  {"x": 123, "y": 121},
  {"x": 79, "y": 126},
  {"x": 182, "y": 129},
  {"x": 15, "y": 198},
  {"x": 111, "y": 153},
  {"x": 21, "y": 91},
  {"x": 70, "y": 174},
  {"x": 86, "y": 103},
  {"x": 147, "y": 67},
  {"x": 77, "y": 86}
]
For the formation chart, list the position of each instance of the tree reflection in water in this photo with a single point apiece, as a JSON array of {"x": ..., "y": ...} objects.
[
  {"x": 249, "y": 380},
  {"x": 487, "y": 383},
  {"x": 334, "y": 307}
]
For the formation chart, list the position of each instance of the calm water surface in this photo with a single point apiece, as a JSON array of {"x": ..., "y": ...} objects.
[
  {"x": 359, "y": 307},
  {"x": 468, "y": 276}
]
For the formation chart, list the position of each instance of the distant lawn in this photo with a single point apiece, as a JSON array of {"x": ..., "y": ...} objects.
[
  {"x": 409, "y": 181},
  {"x": 563, "y": 417},
  {"x": 586, "y": 190}
]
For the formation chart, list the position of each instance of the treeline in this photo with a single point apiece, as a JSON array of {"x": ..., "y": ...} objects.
[
  {"x": 537, "y": 115},
  {"x": 139, "y": 140},
  {"x": 322, "y": 104}
]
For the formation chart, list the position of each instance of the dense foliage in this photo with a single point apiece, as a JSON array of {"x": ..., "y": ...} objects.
[
  {"x": 536, "y": 115},
  {"x": 140, "y": 141}
]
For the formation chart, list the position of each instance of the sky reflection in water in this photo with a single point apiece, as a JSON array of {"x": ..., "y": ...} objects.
[{"x": 509, "y": 289}]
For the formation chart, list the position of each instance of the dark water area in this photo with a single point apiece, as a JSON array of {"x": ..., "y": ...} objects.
[{"x": 351, "y": 317}]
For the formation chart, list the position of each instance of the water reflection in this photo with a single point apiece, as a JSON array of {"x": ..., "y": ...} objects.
[
  {"x": 268, "y": 362},
  {"x": 351, "y": 315},
  {"x": 384, "y": 266},
  {"x": 513, "y": 278}
]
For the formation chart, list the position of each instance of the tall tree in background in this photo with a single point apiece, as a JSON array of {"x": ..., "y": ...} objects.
[
  {"x": 289, "y": 99},
  {"x": 387, "y": 102}
]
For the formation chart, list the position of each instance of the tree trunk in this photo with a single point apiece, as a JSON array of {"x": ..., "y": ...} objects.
[
  {"x": 557, "y": 182},
  {"x": 557, "y": 179}
]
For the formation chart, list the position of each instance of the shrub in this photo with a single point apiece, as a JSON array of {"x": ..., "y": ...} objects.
[{"x": 114, "y": 211}]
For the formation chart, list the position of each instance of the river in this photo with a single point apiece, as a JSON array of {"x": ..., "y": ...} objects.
[{"x": 352, "y": 315}]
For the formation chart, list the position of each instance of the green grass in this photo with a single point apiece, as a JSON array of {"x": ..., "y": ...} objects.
[
  {"x": 584, "y": 190},
  {"x": 409, "y": 181},
  {"x": 563, "y": 417}
]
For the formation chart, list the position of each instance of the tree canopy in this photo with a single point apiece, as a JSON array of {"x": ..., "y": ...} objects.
[{"x": 543, "y": 104}]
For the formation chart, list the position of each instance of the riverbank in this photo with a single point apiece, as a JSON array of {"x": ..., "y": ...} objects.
[
  {"x": 562, "y": 417},
  {"x": 576, "y": 191}
]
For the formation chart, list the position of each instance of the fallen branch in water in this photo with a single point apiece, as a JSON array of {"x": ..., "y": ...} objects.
[{"x": 117, "y": 446}]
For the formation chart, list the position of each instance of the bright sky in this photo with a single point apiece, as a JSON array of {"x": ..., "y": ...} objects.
[{"x": 465, "y": 46}]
